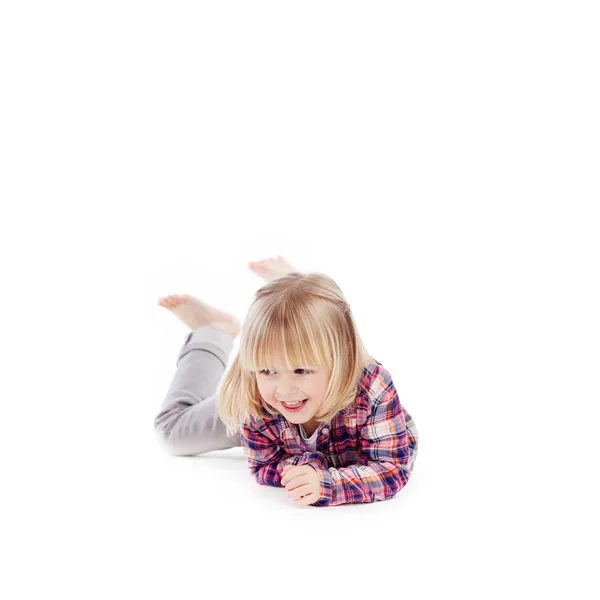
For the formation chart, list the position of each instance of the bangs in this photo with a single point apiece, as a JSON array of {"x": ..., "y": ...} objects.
[{"x": 294, "y": 341}]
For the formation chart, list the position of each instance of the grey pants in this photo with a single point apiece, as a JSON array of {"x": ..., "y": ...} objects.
[{"x": 188, "y": 422}]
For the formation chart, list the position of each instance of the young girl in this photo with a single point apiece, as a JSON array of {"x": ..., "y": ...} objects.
[{"x": 315, "y": 412}]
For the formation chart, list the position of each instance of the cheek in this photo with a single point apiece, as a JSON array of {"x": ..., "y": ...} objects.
[{"x": 265, "y": 391}]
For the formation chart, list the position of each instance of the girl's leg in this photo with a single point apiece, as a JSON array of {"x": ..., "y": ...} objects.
[{"x": 188, "y": 422}]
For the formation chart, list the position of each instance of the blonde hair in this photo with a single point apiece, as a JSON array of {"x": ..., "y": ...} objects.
[{"x": 305, "y": 317}]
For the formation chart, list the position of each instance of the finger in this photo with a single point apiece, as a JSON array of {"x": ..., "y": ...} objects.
[
  {"x": 284, "y": 474},
  {"x": 306, "y": 500},
  {"x": 295, "y": 471},
  {"x": 291, "y": 475},
  {"x": 299, "y": 491},
  {"x": 287, "y": 469},
  {"x": 296, "y": 481}
]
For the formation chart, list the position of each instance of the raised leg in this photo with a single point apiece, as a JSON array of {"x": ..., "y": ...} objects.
[{"x": 188, "y": 422}]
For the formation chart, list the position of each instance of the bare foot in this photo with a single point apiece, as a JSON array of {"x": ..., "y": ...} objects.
[
  {"x": 272, "y": 268},
  {"x": 195, "y": 313}
]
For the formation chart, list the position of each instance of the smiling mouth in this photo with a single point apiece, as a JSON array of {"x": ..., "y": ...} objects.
[{"x": 295, "y": 404}]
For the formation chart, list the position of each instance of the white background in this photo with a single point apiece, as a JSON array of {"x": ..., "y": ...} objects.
[{"x": 438, "y": 159}]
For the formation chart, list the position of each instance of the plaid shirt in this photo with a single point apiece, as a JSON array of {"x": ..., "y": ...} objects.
[{"x": 366, "y": 453}]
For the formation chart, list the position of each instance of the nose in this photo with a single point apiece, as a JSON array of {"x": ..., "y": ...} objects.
[
  {"x": 290, "y": 397},
  {"x": 285, "y": 389}
]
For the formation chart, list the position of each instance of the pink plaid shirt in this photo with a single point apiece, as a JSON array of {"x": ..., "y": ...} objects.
[{"x": 366, "y": 453}]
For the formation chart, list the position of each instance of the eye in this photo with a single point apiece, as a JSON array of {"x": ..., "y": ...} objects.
[{"x": 263, "y": 372}]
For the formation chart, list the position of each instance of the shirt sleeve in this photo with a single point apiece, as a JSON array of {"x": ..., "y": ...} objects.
[
  {"x": 267, "y": 458},
  {"x": 386, "y": 460}
]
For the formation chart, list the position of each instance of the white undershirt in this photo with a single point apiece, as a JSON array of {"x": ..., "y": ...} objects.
[{"x": 311, "y": 441}]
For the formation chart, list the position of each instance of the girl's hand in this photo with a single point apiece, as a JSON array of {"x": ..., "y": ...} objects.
[{"x": 303, "y": 484}]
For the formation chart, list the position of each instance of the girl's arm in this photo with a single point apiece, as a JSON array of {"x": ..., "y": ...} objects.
[
  {"x": 267, "y": 458},
  {"x": 389, "y": 442}
]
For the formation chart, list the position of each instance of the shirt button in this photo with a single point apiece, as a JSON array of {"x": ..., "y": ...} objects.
[{"x": 325, "y": 429}]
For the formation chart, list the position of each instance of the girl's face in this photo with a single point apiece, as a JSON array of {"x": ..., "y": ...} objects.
[{"x": 278, "y": 386}]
